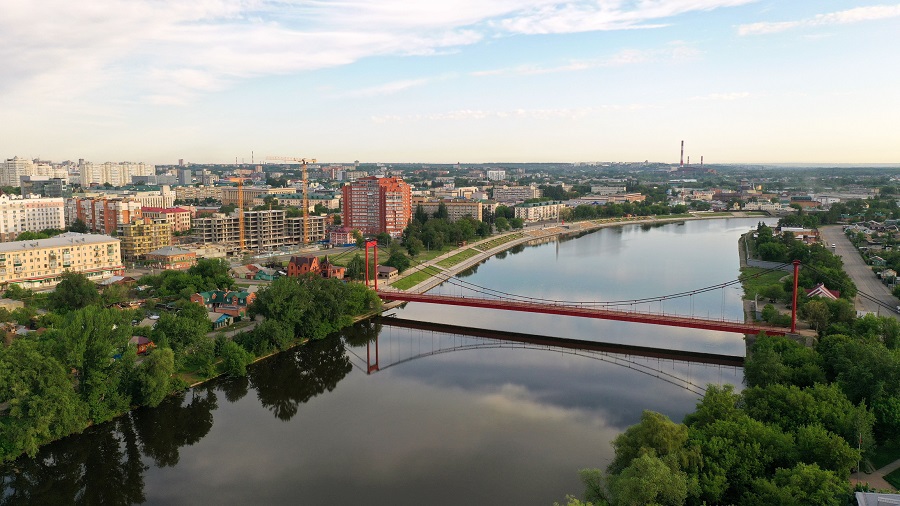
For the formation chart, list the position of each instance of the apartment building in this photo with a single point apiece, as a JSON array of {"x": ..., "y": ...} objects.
[
  {"x": 179, "y": 218},
  {"x": 456, "y": 209},
  {"x": 163, "y": 196},
  {"x": 538, "y": 211},
  {"x": 374, "y": 205},
  {"x": 496, "y": 175},
  {"x": 141, "y": 237},
  {"x": 516, "y": 193},
  {"x": 230, "y": 193},
  {"x": 40, "y": 263},
  {"x": 31, "y": 213},
  {"x": 116, "y": 174},
  {"x": 187, "y": 193},
  {"x": 104, "y": 215}
]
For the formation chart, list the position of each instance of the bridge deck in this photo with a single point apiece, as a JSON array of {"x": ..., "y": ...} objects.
[{"x": 588, "y": 312}]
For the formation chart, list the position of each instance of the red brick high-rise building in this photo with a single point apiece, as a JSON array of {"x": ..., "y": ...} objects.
[{"x": 377, "y": 204}]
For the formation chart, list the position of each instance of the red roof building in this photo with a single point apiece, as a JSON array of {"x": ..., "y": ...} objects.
[
  {"x": 298, "y": 266},
  {"x": 821, "y": 291}
]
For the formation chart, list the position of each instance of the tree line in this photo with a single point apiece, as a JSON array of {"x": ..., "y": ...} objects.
[
  {"x": 81, "y": 369},
  {"x": 793, "y": 436}
]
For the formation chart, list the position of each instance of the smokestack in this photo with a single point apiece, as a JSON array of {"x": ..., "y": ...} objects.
[
  {"x": 682, "y": 153},
  {"x": 701, "y": 160},
  {"x": 689, "y": 160}
]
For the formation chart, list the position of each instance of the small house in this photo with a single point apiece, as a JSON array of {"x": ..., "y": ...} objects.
[
  {"x": 821, "y": 291},
  {"x": 144, "y": 345},
  {"x": 219, "y": 320}
]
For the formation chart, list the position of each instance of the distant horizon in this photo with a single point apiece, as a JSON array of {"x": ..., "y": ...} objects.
[{"x": 462, "y": 163}]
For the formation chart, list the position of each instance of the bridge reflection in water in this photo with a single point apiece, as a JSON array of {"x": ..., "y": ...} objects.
[{"x": 655, "y": 362}]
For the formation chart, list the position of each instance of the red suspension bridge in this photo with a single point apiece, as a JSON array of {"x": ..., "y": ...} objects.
[{"x": 620, "y": 310}]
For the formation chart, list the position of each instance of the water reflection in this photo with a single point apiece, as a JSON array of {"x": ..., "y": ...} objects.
[
  {"x": 286, "y": 380},
  {"x": 175, "y": 423}
]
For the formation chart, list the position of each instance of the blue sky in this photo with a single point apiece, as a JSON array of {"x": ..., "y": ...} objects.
[{"x": 458, "y": 80}]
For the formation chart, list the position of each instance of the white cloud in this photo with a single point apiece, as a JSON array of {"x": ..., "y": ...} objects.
[
  {"x": 167, "y": 51},
  {"x": 526, "y": 114},
  {"x": 856, "y": 15},
  {"x": 736, "y": 95},
  {"x": 676, "y": 51}
]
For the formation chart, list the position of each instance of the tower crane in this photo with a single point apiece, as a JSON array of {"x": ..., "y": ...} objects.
[{"x": 303, "y": 162}]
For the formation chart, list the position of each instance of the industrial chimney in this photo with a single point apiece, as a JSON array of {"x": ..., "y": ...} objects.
[{"x": 682, "y": 154}]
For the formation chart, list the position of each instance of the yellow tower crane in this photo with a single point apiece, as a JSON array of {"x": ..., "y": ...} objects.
[{"x": 303, "y": 161}]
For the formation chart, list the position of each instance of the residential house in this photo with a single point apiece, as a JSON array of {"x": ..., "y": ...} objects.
[
  {"x": 298, "y": 266},
  {"x": 221, "y": 301},
  {"x": 821, "y": 291},
  {"x": 219, "y": 320}
]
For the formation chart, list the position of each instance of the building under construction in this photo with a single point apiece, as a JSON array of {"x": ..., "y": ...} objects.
[{"x": 266, "y": 230}]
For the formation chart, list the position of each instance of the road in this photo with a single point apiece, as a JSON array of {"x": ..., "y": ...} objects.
[{"x": 860, "y": 273}]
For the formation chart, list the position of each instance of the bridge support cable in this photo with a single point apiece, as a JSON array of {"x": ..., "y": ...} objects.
[
  {"x": 450, "y": 279},
  {"x": 871, "y": 298}
]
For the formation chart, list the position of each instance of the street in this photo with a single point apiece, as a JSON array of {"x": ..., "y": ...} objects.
[{"x": 860, "y": 273}]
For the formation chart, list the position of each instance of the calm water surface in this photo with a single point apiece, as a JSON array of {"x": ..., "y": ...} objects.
[{"x": 444, "y": 419}]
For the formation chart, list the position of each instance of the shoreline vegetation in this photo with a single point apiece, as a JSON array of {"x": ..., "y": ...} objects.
[
  {"x": 81, "y": 369},
  {"x": 810, "y": 415}
]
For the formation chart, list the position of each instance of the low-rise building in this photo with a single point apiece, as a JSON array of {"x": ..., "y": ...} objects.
[
  {"x": 301, "y": 265},
  {"x": 456, "y": 209},
  {"x": 40, "y": 263},
  {"x": 170, "y": 258},
  {"x": 223, "y": 301}
]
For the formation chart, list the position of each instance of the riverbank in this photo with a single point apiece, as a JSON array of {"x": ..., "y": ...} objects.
[{"x": 438, "y": 273}]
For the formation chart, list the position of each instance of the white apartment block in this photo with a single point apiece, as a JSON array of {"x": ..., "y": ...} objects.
[
  {"x": 496, "y": 175},
  {"x": 29, "y": 214},
  {"x": 40, "y": 263},
  {"x": 13, "y": 168},
  {"x": 516, "y": 193},
  {"x": 538, "y": 211},
  {"x": 116, "y": 174}
]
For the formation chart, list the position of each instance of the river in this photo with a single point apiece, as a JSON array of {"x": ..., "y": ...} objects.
[{"x": 439, "y": 418}]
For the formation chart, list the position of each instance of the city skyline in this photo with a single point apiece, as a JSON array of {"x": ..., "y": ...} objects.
[{"x": 740, "y": 81}]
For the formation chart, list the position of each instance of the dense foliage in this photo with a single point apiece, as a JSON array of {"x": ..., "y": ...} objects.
[
  {"x": 207, "y": 274},
  {"x": 308, "y": 307},
  {"x": 808, "y": 416}
]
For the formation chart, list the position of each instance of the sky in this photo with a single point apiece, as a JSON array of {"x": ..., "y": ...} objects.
[{"x": 471, "y": 81}]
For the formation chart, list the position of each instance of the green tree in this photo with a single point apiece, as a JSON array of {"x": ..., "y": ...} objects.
[
  {"x": 655, "y": 432},
  {"x": 817, "y": 314},
  {"x": 648, "y": 480},
  {"x": 516, "y": 223},
  {"x": 235, "y": 359},
  {"x": 153, "y": 377},
  {"x": 43, "y": 404},
  {"x": 73, "y": 292},
  {"x": 804, "y": 484},
  {"x": 94, "y": 342},
  {"x": 78, "y": 226}
]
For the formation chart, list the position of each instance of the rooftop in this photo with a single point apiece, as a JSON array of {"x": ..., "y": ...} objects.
[{"x": 66, "y": 239}]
